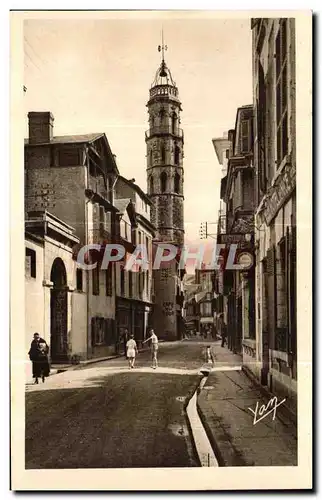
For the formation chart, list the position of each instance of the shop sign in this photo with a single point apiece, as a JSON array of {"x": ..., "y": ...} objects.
[{"x": 281, "y": 191}]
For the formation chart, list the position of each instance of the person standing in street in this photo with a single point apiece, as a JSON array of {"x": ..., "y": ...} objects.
[
  {"x": 131, "y": 351},
  {"x": 38, "y": 355},
  {"x": 154, "y": 348}
]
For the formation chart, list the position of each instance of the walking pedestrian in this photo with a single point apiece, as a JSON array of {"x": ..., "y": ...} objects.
[
  {"x": 154, "y": 348},
  {"x": 223, "y": 330},
  {"x": 210, "y": 358},
  {"x": 38, "y": 355},
  {"x": 131, "y": 351}
]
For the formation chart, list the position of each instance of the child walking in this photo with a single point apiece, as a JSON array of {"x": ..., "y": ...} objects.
[
  {"x": 209, "y": 355},
  {"x": 131, "y": 351}
]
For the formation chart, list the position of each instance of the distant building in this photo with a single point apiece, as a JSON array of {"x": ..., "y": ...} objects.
[{"x": 205, "y": 299}]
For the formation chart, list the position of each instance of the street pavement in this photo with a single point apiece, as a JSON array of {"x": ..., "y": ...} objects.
[{"x": 106, "y": 415}]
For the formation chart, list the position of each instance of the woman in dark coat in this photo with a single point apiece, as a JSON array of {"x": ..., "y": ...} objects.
[{"x": 38, "y": 354}]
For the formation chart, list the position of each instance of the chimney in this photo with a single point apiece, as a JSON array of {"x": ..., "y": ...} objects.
[{"x": 41, "y": 126}]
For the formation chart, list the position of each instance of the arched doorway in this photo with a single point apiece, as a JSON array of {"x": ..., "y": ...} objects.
[{"x": 58, "y": 313}]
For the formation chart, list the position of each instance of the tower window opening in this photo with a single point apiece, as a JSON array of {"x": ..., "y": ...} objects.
[
  {"x": 151, "y": 184},
  {"x": 152, "y": 121},
  {"x": 162, "y": 116},
  {"x": 176, "y": 155},
  {"x": 174, "y": 121},
  {"x": 151, "y": 157},
  {"x": 163, "y": 179},
  {"x": 162, "y": 153},
  {"x": 177, "y": 183}
]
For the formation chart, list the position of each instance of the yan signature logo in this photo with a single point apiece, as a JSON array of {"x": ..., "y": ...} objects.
[{"x": 265, "y": 410}]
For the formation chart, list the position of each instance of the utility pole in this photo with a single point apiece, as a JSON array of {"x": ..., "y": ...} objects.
[{"x": 204, "y": 232}]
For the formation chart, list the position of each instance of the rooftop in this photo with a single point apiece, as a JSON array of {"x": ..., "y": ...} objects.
[{"x": 67, "y": 139}]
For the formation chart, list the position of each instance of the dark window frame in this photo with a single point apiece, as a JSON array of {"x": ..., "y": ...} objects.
[
  {"x": 109, "y": 281},
  {"x": 281, "y": 88},
  {"x": 79, "y": 280},
  {"x": 163, "y": 181},
  {"x": 31, "y": 253},
  {"x": 96, "y": 281}
]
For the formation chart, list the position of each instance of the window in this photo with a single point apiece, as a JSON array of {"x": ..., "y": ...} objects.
[
  {"x": 282, "y": 298},
  {"x": 176, "y": 155},
  {"x": 163, "y": 179},
  {"x": 108, "y": 280},
  {"x": 177, "y": 183},
  {"x": 151, "y": 184},
  {"x": 30, "y": 263},
  {"x": 130, "y": 283},
  {"x": 147, "y": 247},
  {"x": 140, "y": 237},
  {"x": 96, "y": 281},
  {"x": 141, "y": 283},
  {"x": 281, "y": 91},
  {"x": 98, "y": 331},
  {"x": 151, "y": 156},
  {"x": 162, "y": 153},
  {"x": 108, "y": 221},
  {"x": 245, "y": 136},
  {"x": 102, "y": 219},
  {"x": 122, "y": 279},
  {"x": 162, "y": 116},
  {"x": 79, "y": 280},
  {"x": 174, "y": 123},
  {"x": 261, "y": 127}
]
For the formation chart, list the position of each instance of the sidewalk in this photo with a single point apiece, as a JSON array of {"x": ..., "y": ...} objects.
[{"x": 223, "y": 406}]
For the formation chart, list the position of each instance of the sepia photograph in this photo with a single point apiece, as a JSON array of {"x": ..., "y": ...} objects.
[{"x": 162, "y": 321}]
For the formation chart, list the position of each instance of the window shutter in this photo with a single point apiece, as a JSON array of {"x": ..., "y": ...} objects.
[
  {"x": 271, "y": 306},
  {"x": 93, "y": 331}
]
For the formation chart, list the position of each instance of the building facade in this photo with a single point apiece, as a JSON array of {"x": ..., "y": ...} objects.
[
  {"x": 275, "y": 189},
  {"x": 164, "y": 146},
  {"x": 73, "y": 177},
  {"x": 134, "y": 287},
  {"x": 51, "y": 295},
  {"x": 237, "y": 192}
]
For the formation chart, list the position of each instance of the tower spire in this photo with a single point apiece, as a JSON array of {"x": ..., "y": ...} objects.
[{"x": 162, "y": 48}]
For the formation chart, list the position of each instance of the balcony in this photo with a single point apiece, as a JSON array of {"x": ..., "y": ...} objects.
[{"x": 164, "y": 130}]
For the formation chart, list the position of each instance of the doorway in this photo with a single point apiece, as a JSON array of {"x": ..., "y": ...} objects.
[{"x": 58, "y": 313}]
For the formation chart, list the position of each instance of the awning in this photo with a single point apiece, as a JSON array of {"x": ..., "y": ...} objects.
[
  {"x": 201, "y": 295},
  {"x": 209, "y": 319}
]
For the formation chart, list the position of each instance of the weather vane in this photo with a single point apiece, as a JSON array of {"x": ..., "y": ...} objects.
[{"x": 162, "y": 47}]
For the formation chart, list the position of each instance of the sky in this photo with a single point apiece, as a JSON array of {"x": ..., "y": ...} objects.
[{"x": 95, "y": 75}]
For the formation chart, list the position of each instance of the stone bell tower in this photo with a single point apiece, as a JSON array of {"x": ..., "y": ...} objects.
[{"x": 164, "y": 145}]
